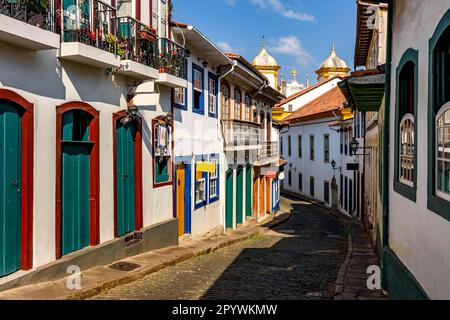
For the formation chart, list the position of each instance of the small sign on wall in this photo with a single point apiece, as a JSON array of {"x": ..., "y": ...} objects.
[{"x": 353, "y": 166}]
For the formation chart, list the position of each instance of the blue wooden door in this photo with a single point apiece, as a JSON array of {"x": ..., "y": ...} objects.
[
  {"x": 76, "y": 150},
  {"x": 125, "y": 172},
  {"x": 10, "y": 178}
]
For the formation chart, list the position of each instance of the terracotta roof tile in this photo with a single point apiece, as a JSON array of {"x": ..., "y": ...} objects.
[{"x": 332, "y": 100}]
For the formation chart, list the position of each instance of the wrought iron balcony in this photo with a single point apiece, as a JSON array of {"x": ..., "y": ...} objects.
[
  {"x": 141, "y": 44},
  {"x": 97, "y": 30},
  {"x": 171, "y": 58},
  {"x": 38, "y": 13},
  {"x": 268, "y": 152},
  {"x": 240, "y": 135}
]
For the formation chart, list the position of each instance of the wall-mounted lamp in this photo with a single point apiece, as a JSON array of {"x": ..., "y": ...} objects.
[
  {"x": 205, "y": 64},
  {"x": 354, "y": 147},
  {"x": 187, "y": 53},
  {"x": 333, "y": 164}
]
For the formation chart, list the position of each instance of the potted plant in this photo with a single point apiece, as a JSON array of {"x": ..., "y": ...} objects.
[{"x": 148, "y": 33}]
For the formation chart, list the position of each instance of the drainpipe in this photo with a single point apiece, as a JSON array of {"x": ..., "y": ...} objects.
[{"x": 221, "y": 139}]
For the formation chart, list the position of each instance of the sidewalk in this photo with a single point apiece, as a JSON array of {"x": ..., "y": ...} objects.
[
  {"x": 352, "y": 280},
  {"x": 95, "y": 280}
]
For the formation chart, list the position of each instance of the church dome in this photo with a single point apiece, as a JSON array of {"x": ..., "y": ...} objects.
[
  {"x": 333, "y": 61},
  {"x": 264, "y": 59}
]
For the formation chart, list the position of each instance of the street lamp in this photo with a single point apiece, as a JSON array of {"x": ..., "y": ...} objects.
[
  {"x": 354, "y": 146},
  {"x": 333, "y": 164}
]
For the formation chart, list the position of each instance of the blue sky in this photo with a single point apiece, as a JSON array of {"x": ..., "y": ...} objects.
[{"x": 299, "y": 33}]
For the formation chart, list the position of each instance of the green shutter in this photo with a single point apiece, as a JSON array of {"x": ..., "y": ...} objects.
[
  {"x": 10, "y": 178},
  {"x": 248, "y": 192},
  {"x": 125, "y": 173},
  {"x": 239, "y": 194},
  {"x": 229, "y": 199},
  {"x": 76, "y": 150}
]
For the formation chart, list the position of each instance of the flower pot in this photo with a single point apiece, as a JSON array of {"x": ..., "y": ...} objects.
[{"x": 144, "y": 34}]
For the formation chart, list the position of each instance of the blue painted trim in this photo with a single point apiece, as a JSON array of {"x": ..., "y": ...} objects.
[
  {"x": 202, "y": 97},
  {"x": 204, "y": 176},
  {"x": 215, "y": 78},
  {"x": 216, "y": 198}
]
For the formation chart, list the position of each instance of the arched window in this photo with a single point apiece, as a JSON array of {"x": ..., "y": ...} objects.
[
  {"x": 443, "y": 152},
  {"x": 406, "y": 101},
  {"x": 406, "y": 152},
  {"x": 225, "y": 103},
  {"x": 247, "y": 108},
  {"x": 439, "y": 121},
  {"x": 237, "y": 104},
  {"x": 262, "y": 120}
]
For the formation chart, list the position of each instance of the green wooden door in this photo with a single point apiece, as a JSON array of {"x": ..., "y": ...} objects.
[
  {"x": 229, "y": 199},
  {"x": 10, "y": 178},
  {"x": 239, "y": 194},
  {"x": 248, "y": 191},
  {"x": 76, "y": 150},
  {"x": 126, "y": 201}
]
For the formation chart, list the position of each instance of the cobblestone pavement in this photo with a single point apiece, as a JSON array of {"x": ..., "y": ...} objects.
[{"x": 299, "y": 259}]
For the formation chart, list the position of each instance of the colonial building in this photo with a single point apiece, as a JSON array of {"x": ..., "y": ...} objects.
[
  {"x": 364, "y": 90},
  {"x": 250, "y": 142},
  {"x": 199, "y": 188},
  {"x": 268, "y": 66},
  {"x": 87, "y": 130},
  {"x": 416, "y": 149},
  {"x": 332, "y": 67},
  {"x": 316, "y": 151}
]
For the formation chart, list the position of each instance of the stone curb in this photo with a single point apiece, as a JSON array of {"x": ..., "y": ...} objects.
[
  {"x": 339, "y": 290},
  {"x": 99, "y": 287}
]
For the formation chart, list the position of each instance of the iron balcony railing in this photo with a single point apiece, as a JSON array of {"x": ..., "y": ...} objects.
[
  {"x": 39, "y": 13},
  {"x": 140, "y": 42},
  {"x": 268, "y": 152},
  {"x": 94, "y": 27},
  {"x": 239, "y": 133},
  {"x": 171, "y": 58}
]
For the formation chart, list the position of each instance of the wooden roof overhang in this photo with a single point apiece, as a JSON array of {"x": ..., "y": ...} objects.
[{"x": 365, "y": 92}]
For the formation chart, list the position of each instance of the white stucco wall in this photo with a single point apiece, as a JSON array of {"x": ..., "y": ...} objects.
[
  {"x": 48, "y": 82},
  {"x": 320, "y": 170},
  {"x": 196, "y": 135},
  {"x": 419, "y": 237}
]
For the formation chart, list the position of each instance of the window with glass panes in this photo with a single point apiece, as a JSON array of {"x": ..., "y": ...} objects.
[
  {"x": 299, "y": 146},
  {"x": 326, "y": 148},
  {"x": 237, "y": 104},
  {"x": 225, "y": 103},
  {"x": 247, "y": 108},
  {"x": 212, "y": 95},
  {"x": 214, "y": 181},
  {"x": 311, "y": 147}
]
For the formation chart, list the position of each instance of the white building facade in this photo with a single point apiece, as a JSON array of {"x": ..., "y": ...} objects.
[{"x": 92, "y": 138}]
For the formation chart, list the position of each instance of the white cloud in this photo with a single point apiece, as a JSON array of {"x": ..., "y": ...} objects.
[
  {"x": 225, "y": 46},
  {"x": 281, "y": 9},
  {"x": 291, "y": 45}
]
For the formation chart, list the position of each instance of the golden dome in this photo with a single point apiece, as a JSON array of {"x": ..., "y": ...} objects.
[
  {"x": 264, "y": 59},
  {"x": 333, "y": 61}
]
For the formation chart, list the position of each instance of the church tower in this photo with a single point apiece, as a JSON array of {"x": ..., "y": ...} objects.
[
  {"x": 268, "y": 66},
  {"x": 333, "y": 66}
]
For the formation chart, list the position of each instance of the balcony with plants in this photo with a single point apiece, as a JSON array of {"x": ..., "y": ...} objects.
[
  {"x": 89, "y": 34},
  {"x": 141, "y": 56},
  {"x": 172, "y": 64},
  {"x": 28, "y": 24}
]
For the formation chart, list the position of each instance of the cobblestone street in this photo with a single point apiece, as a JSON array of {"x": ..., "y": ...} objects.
[{"x": 300, "y": 259}]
